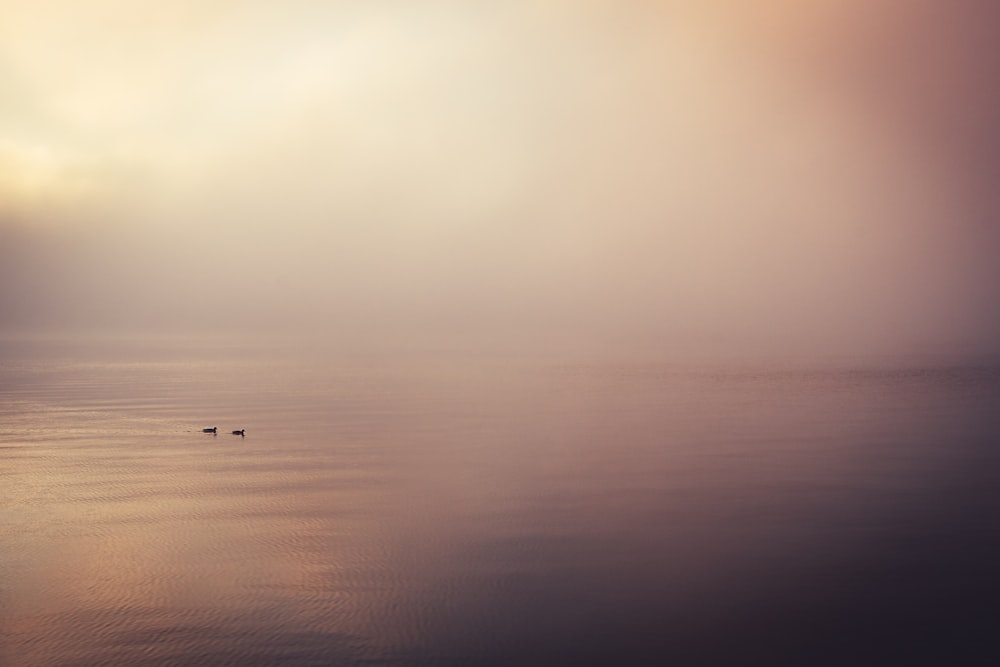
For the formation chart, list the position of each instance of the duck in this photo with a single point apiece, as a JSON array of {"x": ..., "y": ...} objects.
[
  {"x": 214, "y": 429},
  {"x": 241, "y": 432}
]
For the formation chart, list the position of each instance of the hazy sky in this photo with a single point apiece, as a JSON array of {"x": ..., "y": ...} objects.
[{"x": 817, "y": 175}]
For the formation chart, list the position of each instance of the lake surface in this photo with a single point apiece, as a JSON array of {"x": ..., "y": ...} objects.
[{"x": 423, "y": 510}]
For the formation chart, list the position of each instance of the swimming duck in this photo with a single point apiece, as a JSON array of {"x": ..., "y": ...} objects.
[
  {"x": 242, "y": 431},
  {"x": 210, "y": 430}
]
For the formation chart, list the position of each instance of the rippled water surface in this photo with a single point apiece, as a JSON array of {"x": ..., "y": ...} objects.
[{"x": 429, "y": 511}]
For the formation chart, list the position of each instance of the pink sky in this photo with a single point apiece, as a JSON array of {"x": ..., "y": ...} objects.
[{"x": 775, "y": 174}]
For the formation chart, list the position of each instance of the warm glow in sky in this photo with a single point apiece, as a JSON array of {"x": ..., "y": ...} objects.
[{"x": 771, "y": 173}]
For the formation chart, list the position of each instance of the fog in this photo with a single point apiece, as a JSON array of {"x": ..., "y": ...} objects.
[{"x": 663, "y": 174}]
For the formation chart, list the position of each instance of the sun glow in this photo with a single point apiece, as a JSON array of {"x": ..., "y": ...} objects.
[{"x": 716, "y": 167}]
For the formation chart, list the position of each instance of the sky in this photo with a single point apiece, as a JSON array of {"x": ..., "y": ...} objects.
[{"x": 815, "y": 176}]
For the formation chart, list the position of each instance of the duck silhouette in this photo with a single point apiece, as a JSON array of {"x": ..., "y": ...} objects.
[
  {"x": 241, "y": 432},
  {"x": 214, "y": 429}
]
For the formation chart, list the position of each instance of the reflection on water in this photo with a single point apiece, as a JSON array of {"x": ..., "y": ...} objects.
[{"x": 457, "y": 512}]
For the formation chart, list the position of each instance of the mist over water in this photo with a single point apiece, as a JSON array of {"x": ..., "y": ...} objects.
[
  {"x": 616, "y": 173},
  {"x": 562, "y": 333}
]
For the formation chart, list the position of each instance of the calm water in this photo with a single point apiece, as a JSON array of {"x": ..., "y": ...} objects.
[{"x": 491, "y": 512}]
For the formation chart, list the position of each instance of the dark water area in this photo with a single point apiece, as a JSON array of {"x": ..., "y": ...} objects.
[{"x": 493, "y": 511}]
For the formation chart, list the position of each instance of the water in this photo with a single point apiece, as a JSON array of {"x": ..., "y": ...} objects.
[{"x": 490, "y": 511}]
